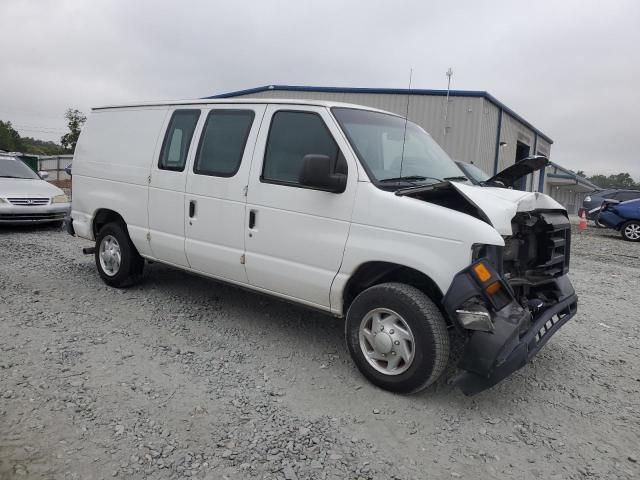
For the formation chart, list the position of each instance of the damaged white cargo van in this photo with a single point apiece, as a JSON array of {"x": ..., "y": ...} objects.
[{"x": 344, "y": 208}]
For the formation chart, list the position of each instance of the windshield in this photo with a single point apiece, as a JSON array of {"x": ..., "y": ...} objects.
[
  {"x": 388, "y": 154},
  {"x": 14, "y": 168}
]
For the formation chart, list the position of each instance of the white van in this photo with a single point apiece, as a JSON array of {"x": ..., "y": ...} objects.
[{"x": 342, "y": 208}]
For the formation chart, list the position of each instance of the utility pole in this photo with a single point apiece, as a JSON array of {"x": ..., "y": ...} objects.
[{"x": 446, "y": 105}]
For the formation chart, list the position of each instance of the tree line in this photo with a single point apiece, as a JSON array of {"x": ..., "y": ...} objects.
[
  {"x": 11, "y": 141},
  {"x": 618, "y": 180}
]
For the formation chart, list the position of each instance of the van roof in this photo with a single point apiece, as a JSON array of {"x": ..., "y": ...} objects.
[{"x": 245, "y": 100}]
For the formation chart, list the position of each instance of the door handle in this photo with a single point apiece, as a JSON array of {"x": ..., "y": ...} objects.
[
  {"x": 192, "y": 208},
  {"x": 252, "y": 218}
]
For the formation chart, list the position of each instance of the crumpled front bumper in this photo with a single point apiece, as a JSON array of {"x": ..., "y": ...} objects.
[{"x": 518, "y": 335}]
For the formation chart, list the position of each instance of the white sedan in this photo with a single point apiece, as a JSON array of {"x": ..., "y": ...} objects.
[{"x": 26, "y": 198}]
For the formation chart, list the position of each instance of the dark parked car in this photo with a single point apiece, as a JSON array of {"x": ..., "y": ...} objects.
[
  {"x": 622, "y": 216},
  {"x": 594, "y": 201}
]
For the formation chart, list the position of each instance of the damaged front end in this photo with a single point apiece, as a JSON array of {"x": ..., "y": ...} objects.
[{"x": 511, "y": 300}]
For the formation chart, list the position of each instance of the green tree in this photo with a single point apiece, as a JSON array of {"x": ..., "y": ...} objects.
[
  {"x": 75, "y": 121},
  {"x": 619, "y": 180},
  {"x": 41, "y": 147},
  {"x": 10, "y": 140}
]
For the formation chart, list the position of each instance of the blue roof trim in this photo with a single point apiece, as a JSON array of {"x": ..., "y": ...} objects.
[
  {"x": 389, "y": 91},
  {"x": 563, "y": 175},
  {"x": 569, "y": 175}
]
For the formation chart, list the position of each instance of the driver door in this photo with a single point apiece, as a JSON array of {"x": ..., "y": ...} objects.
[{"x": 296, "y": 235}]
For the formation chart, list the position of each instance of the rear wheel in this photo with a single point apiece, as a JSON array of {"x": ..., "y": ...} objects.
[
  {"x": 117, "y": 260},
  {"x": 397, "y": 337},
  {"x": 631, "y": 231}
]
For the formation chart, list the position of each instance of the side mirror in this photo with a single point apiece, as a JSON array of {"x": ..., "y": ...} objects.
[
  {"x": 44, "y": 175},
  {"x": 317, "y": 172}
]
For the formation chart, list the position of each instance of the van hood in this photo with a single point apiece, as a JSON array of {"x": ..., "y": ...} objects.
[
  {"x": 495, "y": 205},
  {"x": 23, "y": 187},
  {"x": 510, "y": 175}
]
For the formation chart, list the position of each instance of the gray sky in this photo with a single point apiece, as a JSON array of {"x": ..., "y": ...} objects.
[{"x": 572, "y": 68}]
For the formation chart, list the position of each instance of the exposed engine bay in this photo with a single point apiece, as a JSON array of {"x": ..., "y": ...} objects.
[
  {"x": 537, "y": 244},
  {"x": 510, "y": 300},
  {"x": 536, "y": 255}
]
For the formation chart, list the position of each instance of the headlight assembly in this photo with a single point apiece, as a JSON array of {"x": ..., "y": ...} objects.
[
  {"x": 492, "y": 253},
  {"x": 60, "y": 199}
]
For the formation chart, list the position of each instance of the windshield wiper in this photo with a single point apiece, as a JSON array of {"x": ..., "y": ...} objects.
[
  {"x": 409, "y": 178},
  {"x": 11, "y": 176},
  {"x": 453, "y": 179}
]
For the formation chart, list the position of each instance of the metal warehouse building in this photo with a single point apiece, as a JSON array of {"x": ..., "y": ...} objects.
[{"x": 472, "y": 126}]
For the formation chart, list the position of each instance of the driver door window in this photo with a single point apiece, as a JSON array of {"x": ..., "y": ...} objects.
[{"x": 292, "y": 136}]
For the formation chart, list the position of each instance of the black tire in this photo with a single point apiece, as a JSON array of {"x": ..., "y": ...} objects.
[
  {"x": 131, "y": 263},
  {"x": 431, "y": 345},
  {"x": 626, "y": 233}
]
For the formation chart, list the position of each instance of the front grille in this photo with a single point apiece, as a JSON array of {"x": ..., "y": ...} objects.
[
  {"x": 554, "y": 250},
  {"x": 28, "y": 201},
  {"x": 31, "y": 216},
  {"x": 540, "y": 246}
]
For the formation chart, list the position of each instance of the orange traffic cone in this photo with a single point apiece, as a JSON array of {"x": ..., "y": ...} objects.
[{"x": 583, "y": 221}]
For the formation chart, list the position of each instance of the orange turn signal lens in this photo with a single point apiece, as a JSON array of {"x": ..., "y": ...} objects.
[
  {"x": 493, "y": 288},
  {"x": 482, "y": 272}
]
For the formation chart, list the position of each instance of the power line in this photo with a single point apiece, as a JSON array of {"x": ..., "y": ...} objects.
[
  {"x": 36, "y": 130},
  {"x": 27, "y": 113},
  {"x": 40, "y": 129}
]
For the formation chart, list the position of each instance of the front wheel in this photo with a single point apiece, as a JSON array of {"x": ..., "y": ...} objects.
[
  {"x": 117, "y": 260},
  {"x": 631, "y": 231},
  {"x": 397, "y": 337}
]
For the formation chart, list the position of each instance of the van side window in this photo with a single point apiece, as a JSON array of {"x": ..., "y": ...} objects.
[
  {"x": 222, "y": 142},
  {"x": 175, "y": 146},
  {"x": 292, "y": 136}
]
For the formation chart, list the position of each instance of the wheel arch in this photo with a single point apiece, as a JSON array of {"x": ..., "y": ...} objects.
[
  {"x": 373, "y": 273},
  {"x": 103, "y": 216}
]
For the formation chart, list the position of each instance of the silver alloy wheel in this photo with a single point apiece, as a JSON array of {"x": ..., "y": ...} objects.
[
  {"x": 110, "y": 255},
  {"x": 386, "y": 341},
  {"x": 632, "y": 231}
]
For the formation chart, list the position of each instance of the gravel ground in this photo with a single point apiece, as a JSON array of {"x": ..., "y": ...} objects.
[{"x": 182, "y": 377}]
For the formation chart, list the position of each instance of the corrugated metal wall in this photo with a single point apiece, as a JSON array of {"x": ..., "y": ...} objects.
[
  {"x": 464, "y": 115},
  {"x": 569, "y": 198},
  {"x": 471, "y": 125},
  {"x": 55, "y": 165},
  {"x": 486, "y": 149}
]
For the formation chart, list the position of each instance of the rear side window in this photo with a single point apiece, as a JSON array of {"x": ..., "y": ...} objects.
[
  {"x": 175, "y": 146},
  {"x": 222, "y": 142},
  {"x": 292, "y": 136},
  {"x": 624, "y": 196}
]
